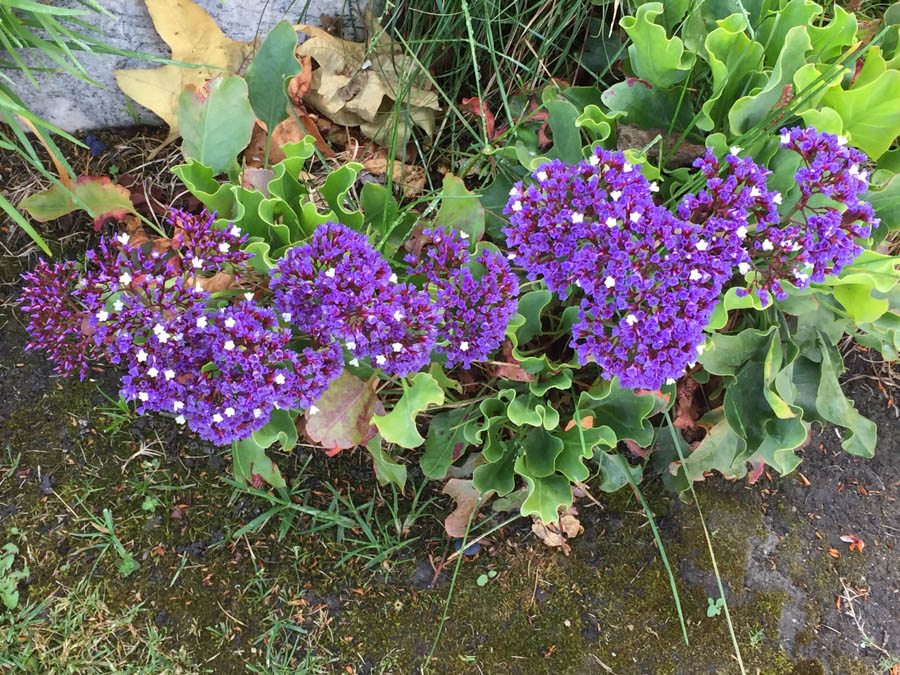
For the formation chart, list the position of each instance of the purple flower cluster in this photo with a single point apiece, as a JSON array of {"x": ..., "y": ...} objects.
[
  {"x": 338, "y": 288},
  {"x": 143, "y": 306},
  {"x": 224, "y": 371},
  {"x": 475, "y": 310},
  {"x": 58, "y": 318},
  {"x": 649, "y": 279}
]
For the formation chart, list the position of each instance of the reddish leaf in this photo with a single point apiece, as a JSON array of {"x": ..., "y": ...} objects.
[
  {"x": 856, "y": 544},
  {"x": 103, "y": 199},
  {"x": 481, "y": 110},
  {"x": 344, "y": 416}
]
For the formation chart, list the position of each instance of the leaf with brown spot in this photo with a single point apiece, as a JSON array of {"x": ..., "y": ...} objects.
[
  {"x": 345, "y": 411},
  {"x": 466, "y": 497}
]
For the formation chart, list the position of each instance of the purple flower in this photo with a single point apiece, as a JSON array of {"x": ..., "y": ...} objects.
[
  {"x": 648, "y": 279},
  {"x": 60, "y": 316},
  {"x": 475, "y": 312},
  {"x": 337, "y": 287}
]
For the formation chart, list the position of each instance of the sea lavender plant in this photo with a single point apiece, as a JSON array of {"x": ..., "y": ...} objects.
[
  {"x": 337, "y": 287},
  {"x": 474, "y": 310}
]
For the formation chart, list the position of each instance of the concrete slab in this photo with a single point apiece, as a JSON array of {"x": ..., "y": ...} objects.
[{"x": 74, "y": 105}]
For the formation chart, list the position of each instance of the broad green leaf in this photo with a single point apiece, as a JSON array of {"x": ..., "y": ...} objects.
[
  {"x": 399, "y": 425},
  {"x": 531, "y": 410},
  {"x": 386, "y": 469},
  {"x": 335, "y": 189},
  {"x": 249, "y": 459},
  {"x": 886, "y": 202},
  {"x": 344, "y": 416},
  {"x": 216, "y": 125},
  {"x": 437, "y": 372},
  {"x": 561, "y": 380},
  {"x": 530, "y": 306},
  {"x": 460, "y": 209},
  {"x": 444, "y": 443},
  {"x": 545, "y": 495},
  {"x": 281, "y": 428},
  {"x": 647, "y": 106},
  {"x": 541, "y": 449},
  {"x": 561, "y": 116},
  {"x": 620, "y": 409},
  {"x": 859, "y": 303},
  {"x": 724, "y": 354},
  {"x": 773, "y": 31},
  {"x": 830, "y": 40},
  {"x": 718, "y": 450},
  {"x": 734, "y": 62},
  {"x": 752, "y": 109},
  {"x": 612, "y": 474},
  {"x": 655, "y": 57},
  {"x": 597, "y": 123},
  {"x": 860, "y": 433},
  {"x": 103, "y": 199},
  {"x": 602, "y": 48},
  {"x": 269, "y": 72},
  {"x": 869, "y": 112},
  {"x": 201, "y": 181},
  {"x": 498, "y": 475}
]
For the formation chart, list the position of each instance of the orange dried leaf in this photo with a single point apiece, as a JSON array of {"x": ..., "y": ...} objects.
[{"x": 856, "y": 544}]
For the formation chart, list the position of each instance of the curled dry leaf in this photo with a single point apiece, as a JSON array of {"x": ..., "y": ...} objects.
[
  {"x": 557, "y": 534},
  {"x": 466, "y": 497},
  {"x": 411, "y": 178}
]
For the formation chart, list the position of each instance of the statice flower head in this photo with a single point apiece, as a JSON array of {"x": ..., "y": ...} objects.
[
  {"x": 204, "y": 248},
  {"x": 337, "y": 287},
  {"x": 649, "y": 280},
  {"x": 475, "y": 311},
  {"x": 222, "y": 372},
  {"x": 54, "y": 297}
]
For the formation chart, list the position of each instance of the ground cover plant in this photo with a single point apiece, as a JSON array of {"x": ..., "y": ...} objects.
[{"x": 587, "y": 300}]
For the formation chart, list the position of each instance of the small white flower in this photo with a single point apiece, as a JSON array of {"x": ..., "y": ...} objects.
[
  {"x": 701, "y": 348},
  {"x": 631, "y": 319},
  {"x": 796, "y": 247},
  {"x": 177, "y": 405},
  {"x": 777, "y": 198},
  {"x": 801, "y": 277},
  {"x": 125, "y": 279},
  {"x": 141, "y": 356},
  {"x": 863, "y": 176},
  {"x": 354, "y": 362},
  {"x": 152, "y": 372},
  {"x": 380, "y": 360},
  {"x": 197, "y": 263},
  {"x": 609, "y": 282},
  {"x": 163, "y": 337},
  {"x": 741, "y": 232},
  {"x": 615, "y": 195},
  {"x": 169, "y": 374},
  {"x": 654, "y": 187},
  {"x": 224, "y": 247},
  {"x": 517, "y": 205},
  {"x": 229, "y": 345},
  {"x": 397, "y": 347},
  {"x": 179, "y": 419},
  {"x": 670, "y": 380},
  {"x": 144, "y": 396},
  {"x": 279, "y": 378},
  {"x": 82, "y": 283},
  {"x": 102, "y": 315},
  {"x": 577, "y": 218},
  {"x": 351, "y": 345},
  {"x": 542, "y": 176},
  {"x": 635, "y": 216},
  {"x": 695, "y": 275},
  {"x": 217, "y": 418},
  {"x": 230, "y": 322},
  {"x": 611, "y": 222},
  {"x": 463, "y": 235},
  {"x": 235, "y": 231},
  {"x": 117, "y": 305},
  {"x": 785, "y": 138},
  {"x": 702, "y": 245},
  {"x": 510, "y": 256},
  {"x": 853, "y": 170},
  {"x": 463, "y": 346},
  {"x": 123, "y": 239},
  {"x": 594, "y": 160},
  {"x": 754, "y": 192},
  {"x": 158, "y": 328},
  {"x": 313, "y": 410},
  {"x": 257, "y": 413},
  {"x": 393, "y": 278},
  {"x": 398, "y": 315},
  {"x": 229, "y": 412},
  {"x": 286, "y": 317},
  {"x": 248, "y": 296},
  {"x": 626, "y": 168},
  {"x": 201, "y": 322},
  {"x": 735, "y": 149},
  {"x": 329, "y": 273},
  {"x": 743, "y": 267},
  {"x": 513, "y": 191},
  {"x": 841, "y": 140},
  {"x": 767, "y": 245}
]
